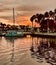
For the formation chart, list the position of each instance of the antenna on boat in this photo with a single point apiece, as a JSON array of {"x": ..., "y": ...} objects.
[{"x": 13, "y": 17}]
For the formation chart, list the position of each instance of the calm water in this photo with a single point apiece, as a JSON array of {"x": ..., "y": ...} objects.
[{"x": 16, "y": 51}]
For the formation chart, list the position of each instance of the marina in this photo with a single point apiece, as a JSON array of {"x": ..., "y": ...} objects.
[{"x": 27, "y": 32}]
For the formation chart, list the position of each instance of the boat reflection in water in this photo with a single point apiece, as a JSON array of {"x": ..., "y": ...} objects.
[
  {"x": 44, "y": 49},
  {"x": 11, "y": 39}
]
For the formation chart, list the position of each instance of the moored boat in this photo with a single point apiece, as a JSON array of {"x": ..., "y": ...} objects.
[{"x": 12, "y": 33}]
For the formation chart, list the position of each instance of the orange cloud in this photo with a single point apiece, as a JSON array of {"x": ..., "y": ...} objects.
[{"x": 23, "y": 20}]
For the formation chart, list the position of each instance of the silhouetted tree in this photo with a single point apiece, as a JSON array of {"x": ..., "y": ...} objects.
[
  {"x": 55, "y": 11},
  {"x": 40, "y": 17},
  {"x": 46, "y": 14},
  {"x": 51, "y": 25},
  {"x": 46, "y": 20},
  {"x": 51, "y": 13},
  {"x": 32, "y": 19}
]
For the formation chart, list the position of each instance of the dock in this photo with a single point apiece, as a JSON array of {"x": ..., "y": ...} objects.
[
  {"x": 45, "y": 34},
  {"x": 40, "y": 34}
]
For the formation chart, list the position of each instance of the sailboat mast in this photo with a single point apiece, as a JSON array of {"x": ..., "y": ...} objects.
[{"x": 13, "y": 17}]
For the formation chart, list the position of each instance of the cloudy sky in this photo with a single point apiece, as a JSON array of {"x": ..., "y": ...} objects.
[{"x": 24, "y": 9}]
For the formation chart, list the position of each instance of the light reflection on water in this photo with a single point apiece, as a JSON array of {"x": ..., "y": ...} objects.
[{"x": 15, "y": 51}]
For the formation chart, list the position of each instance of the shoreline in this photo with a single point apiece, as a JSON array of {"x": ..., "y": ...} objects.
[{"x": 36, "y": 34}]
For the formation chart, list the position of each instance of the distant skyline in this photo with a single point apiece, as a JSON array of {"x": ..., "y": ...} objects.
[{"x": 24, "y": 9}]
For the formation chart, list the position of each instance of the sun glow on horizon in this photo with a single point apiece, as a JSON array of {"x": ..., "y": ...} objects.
[
  {"x": 4, "y": 20},
  {"x": 20, "y": 21}
]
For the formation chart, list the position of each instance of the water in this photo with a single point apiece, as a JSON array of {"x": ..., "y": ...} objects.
[{"x": 16, "y": 51}]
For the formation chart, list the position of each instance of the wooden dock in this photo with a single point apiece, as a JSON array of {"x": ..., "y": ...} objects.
[
  {"x": 45, "y": 34},
  {"x": 40, "y": 34}
]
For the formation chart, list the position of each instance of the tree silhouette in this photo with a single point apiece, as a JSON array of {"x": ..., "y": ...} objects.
[
  {"x": 40, "y": 17},
  {"x": 55, "y": 11},
  {"x": 47, "y": 20},
  {"x": 36, "y": 19},
  {"x": 46, "y": 14},
  {"x": 32, "y": 19},
  {"x": 51, "y": 13}
]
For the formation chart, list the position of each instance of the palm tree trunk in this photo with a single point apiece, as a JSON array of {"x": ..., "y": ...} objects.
[
  {"x": 32, "y": 27},
  {"x": 32, "y": 24}
]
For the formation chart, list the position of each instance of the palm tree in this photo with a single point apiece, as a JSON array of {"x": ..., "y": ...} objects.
[
  {"x": 46, "y": 18},
  {"x": 46, "y": 14},
  {"x": 40, "y": 17},
  {"x": 55, "y": 14},
  {"x": 51, "y": 13},
  {"x": 55, "y": 11},
  {"x": 32, "y": 19}
]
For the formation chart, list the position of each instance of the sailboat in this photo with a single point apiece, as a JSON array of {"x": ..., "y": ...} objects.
[{"x": 12, "y": 33}]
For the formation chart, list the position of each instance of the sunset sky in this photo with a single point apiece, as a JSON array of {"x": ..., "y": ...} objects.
[{"x": 24, "y": 9}]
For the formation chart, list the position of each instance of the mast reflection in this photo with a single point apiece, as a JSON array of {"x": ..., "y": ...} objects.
[
  {"x": 11, "y": 40},
  {"x": 12, "y": 52}
]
